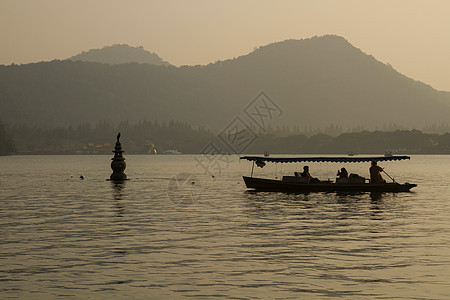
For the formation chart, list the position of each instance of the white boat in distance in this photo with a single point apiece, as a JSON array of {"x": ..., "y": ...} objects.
[{"x": 172, "y": 152}]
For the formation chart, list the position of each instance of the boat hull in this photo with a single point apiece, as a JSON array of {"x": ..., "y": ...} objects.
[{"x": 272, "y": 185}]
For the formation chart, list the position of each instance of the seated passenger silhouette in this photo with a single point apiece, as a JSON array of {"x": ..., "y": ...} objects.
[
  {"x": 342, "y": 173},
  {"x": 306, "y": 174}
]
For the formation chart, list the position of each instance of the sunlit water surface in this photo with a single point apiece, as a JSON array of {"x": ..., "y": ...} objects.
[{"x": 174, "y": 232}]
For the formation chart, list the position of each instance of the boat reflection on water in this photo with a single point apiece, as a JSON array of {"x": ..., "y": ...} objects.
[
  {"x": 303, "y": 196},
  {"x": 376, "y": 196}
]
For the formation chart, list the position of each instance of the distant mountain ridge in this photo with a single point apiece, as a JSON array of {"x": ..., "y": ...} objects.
[
  {"x": 120, "y": 54},
  {"x": 316, "y": 82}
]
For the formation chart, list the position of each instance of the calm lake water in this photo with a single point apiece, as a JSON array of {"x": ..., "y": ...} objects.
[{"x": 174, "y": 232}]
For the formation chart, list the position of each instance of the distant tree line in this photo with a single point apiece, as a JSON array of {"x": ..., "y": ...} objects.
[
  {"x": 336, "y": 129},
  {"x": 364, "y": 142},
  {"x": 140, "y": 137},
  {"x": 6, "y": 143},
  {"x": 153, "y": 136}
]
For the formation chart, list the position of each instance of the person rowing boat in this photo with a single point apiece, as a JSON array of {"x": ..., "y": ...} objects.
[{"x": 375, "y": 173}]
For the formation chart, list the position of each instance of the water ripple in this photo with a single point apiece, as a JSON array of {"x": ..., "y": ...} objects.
[{"x": 62, "y": 237}]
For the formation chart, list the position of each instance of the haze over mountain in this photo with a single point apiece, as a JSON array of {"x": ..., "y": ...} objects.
[
  {"x": 120, "y": 54},
  {"x": 316, "y": 82}
]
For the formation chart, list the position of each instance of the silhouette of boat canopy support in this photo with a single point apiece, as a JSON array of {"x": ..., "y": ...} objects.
[{"x": 323, "y": 159}]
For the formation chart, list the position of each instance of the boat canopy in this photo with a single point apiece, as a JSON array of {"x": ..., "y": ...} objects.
[{"x": 324, "y": 159}]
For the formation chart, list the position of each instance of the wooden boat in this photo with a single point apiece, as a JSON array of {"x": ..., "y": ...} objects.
[{"x": 302, "y": 184}]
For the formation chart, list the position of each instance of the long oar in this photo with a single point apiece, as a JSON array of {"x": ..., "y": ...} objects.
[{"x": 389, "y": 176}]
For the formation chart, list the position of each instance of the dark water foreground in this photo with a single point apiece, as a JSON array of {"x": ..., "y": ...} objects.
[{"x": 173, "y": 232}]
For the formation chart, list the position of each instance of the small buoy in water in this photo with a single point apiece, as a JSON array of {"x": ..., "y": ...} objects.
[{"x": 81, "y": 177}]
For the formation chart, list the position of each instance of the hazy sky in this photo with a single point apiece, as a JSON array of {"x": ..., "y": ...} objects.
[{"x": 412, "y": 35}]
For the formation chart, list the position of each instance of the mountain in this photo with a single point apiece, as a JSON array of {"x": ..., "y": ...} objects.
[
  {"x": 316, "y": 82},
  {"x": 120, "y": 54}
]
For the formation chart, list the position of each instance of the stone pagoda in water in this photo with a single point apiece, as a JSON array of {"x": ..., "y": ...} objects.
[{"x": 118, "y": 164}]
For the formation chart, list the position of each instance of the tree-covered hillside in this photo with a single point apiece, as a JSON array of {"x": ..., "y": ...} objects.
[{"x": 6, "y": 143}]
